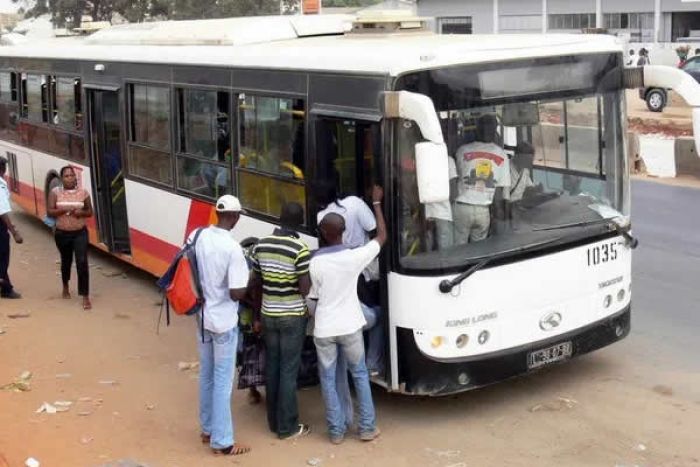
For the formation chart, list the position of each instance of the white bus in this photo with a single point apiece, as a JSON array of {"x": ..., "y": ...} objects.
[{"x": 159, "y": 119}]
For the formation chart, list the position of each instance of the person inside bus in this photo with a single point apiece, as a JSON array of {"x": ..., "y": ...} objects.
[
  {"x": 339, "y": 319},
  {"x": 70, "y": 205},
  {"x": 521, "y": 183},
  {"x": 281, "y": 159},
  {"x": 484, "y": 172},
  {"x": 439, "y": 215}
]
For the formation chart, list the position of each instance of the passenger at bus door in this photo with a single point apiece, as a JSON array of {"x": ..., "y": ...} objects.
[
  {"x": 7, "y": 227},
  {"x": 359, "y": 224},
  {"x": 439, "y": 215},
  {"x": 339, "y": 319},
  {"x": 281, "y": 268},
  {"x": 484, "y": 172},
  {"x": 70, "y": 205}
]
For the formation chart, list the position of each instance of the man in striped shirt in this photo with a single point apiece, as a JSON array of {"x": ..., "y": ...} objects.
[{"x": 281, "y": 264}]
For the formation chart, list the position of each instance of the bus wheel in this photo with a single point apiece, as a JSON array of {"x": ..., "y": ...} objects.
[{"x": 656, "y": 100}]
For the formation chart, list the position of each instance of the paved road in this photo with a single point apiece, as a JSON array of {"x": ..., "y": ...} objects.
[{"x": 666, "y": 274}]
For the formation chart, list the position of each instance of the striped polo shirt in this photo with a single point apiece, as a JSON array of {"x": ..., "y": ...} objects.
[{"x": 280, "y": 259}]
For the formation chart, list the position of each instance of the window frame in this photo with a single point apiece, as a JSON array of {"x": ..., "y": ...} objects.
[
  {"x": 130, "y": 137},
  {"x": 236, "y": 94},
  {"x": 77, "y": 111},
  {"x": 179, "y": 135}
]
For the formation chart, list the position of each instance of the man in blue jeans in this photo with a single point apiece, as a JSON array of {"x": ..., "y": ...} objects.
[
  {"x": 281, "y": 265},
  {"x": 223, "y": 273},
  {"x": 339, "y": 319}
]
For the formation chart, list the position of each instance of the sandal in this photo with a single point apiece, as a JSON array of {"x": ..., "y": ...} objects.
[
  {"x": 302, "y": 430},
  {"x": 86, "y": 304},
  {"x": 236, "y": 450},
  {"x": 206, "y": 439}
]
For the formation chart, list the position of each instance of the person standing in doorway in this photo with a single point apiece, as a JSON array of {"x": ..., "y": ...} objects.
[
  {"x": 70, "y": 205},
  {"x": 281, "y": 264},
  {"x": 7, "y": 228},
  {"x": 339, "y": 319},
  {"x": 223, "y": 274}
]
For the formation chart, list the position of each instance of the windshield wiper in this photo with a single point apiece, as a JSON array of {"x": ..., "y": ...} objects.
[
  {"x": 632, "y": 242},
  {"x": 447, "y": 285}
]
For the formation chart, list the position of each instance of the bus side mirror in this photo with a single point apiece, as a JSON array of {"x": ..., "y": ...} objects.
[{"x": 432, "y": 172}]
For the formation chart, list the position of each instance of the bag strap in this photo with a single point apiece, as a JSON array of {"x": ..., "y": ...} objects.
[{"x": 196, "y": 283}]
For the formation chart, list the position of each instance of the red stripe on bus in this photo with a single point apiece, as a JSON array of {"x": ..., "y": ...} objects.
[
  {"x": 154, "y": 246},
  {"x": 200, "y": 214}
]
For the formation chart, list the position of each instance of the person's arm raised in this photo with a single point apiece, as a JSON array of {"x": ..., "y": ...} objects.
[{"x": 377, "y": 196}]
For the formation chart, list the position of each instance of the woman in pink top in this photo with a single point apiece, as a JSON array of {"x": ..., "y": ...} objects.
[{"x": 70, "y": 206}]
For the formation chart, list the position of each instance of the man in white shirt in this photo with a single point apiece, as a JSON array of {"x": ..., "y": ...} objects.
[
  {"x": 223, "y": 274},
  {"x": 6, "y": 228},
  {"x": 484, "y": 173},
  {"x": 339, "y": 319},
  {"x": 440, "y": 214}
]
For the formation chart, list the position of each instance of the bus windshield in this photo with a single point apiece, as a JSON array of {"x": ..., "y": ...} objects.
[{"x": 533, "y": 146}]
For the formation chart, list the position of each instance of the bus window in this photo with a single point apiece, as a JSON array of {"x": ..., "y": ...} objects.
[
  {"x": 271, "y": 159},
  {"x": 204, "y": 153},
  {"x": 66, "y": 98},
  {"x": 35, "y": 98},
  {"x": 149, "y": 147},
  {"x": 6, "y": 88}
]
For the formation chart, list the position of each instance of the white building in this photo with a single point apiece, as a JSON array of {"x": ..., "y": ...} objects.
[{"x": 637, "y": 20}]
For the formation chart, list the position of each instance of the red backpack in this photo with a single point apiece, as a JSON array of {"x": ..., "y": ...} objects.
[{"x": 180, "y": 284}]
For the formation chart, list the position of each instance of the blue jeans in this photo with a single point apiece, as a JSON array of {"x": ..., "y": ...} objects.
[
  {"x": 374, "y": 358},
  {"x": 352, "y": 348},
  {"x": 217, "y": 360}
]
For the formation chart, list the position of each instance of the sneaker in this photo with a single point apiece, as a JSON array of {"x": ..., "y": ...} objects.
[
  {"x": 337, "y": 439},
  {"x": 302, "y": 430},
  {"x": 370, "y": 435},
  {"x": 11, "y": 295}
]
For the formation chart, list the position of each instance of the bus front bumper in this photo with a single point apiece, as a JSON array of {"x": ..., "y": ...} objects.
[{"x": 420, "y": 375}]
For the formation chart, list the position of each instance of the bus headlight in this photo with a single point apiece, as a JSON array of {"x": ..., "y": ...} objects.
[
  {"x": 462, "y": 340},
  {"x": 436, "y": 341},
  {"x": 607, "y": 301}
]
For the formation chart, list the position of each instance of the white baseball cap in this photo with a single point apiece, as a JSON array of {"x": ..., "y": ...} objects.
[{"x": 228, "y": 203}]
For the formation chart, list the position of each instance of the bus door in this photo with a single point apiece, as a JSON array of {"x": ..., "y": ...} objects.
[
  {"x": 348, "y": 150},
  {"x": 108, "y": 170}
]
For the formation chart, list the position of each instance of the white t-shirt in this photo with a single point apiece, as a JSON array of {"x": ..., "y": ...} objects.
[
  {"x": 221, "y": 267},
  {"x": 359, "y": 220},
  {"x": 443, "y": 209},
  {"x": 520, "y": 179},
  {"x": 482, "y": 168},
  {"x": 334, "y": 284},
  {"x": 4, "y": 198}
]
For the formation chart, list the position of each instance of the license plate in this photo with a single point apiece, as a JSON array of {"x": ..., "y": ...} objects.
[{"x": 555, "y": 353}]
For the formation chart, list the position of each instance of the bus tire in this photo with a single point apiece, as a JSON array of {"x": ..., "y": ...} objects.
[{"x": 656, "y": 100}]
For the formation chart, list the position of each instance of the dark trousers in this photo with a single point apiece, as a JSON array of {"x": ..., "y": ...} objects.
[
  {"x": 72, "y": 243},
  {"x": 284, "y": 339},
  {"x": 6, "y": 286}
]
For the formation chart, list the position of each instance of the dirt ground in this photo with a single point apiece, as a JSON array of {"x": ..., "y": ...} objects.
[{"x": 130, "y": 400}]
